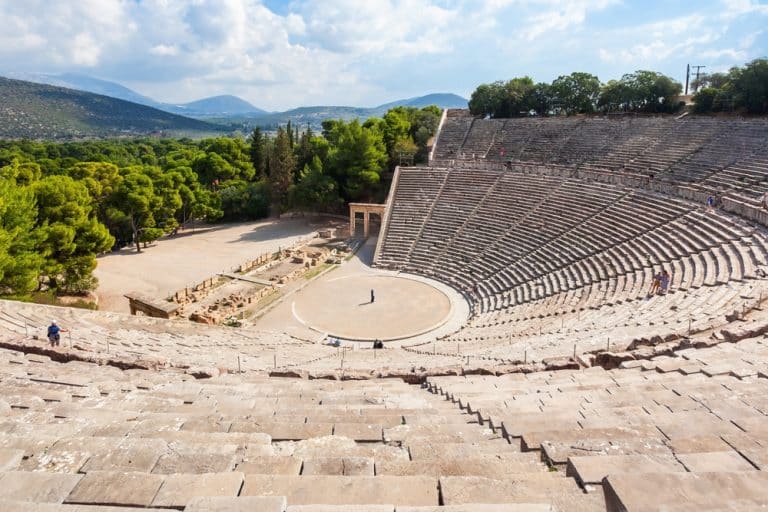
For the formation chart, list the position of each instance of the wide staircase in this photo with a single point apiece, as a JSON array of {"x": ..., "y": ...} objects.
[
  {"x": 678, "y": 432},
  {"x": 681, "y": 430},
  {"x": 86, "y": 438}
]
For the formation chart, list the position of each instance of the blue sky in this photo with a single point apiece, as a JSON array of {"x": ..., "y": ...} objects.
[{"x": 280, "y": 55}]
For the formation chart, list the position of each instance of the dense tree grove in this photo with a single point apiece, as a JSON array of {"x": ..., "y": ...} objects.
[
  {"x": 577, "y": 93},
  {"x": 742, "y": 88},
  {"x": 63, "y": 204}
]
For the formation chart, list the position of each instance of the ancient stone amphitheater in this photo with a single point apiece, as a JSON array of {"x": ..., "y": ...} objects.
[{"x": 569, "y": 388}]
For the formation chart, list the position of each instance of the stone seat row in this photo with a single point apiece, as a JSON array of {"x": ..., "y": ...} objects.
[
  {"x": 549, "y": 329},
  {"x": 673, "y": 409},
  {"x": 718, "y": 154},
  {"x": 106, "y": 437}
]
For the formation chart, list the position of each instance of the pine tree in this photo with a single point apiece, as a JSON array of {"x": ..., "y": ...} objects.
[
  {"x": 281, "y": 165},
  {"x": 289, "y": 131},
  {"x": 258, "y": 152}
]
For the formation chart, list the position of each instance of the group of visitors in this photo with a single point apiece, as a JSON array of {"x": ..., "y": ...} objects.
[{"x": 660, "y": 283}]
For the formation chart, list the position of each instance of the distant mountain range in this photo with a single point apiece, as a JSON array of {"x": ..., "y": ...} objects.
[
  {"x": 69, "y": 105},
  {"x": 231, "y": 110},
  {"x": 215, "y": 106},
  {"x": 39, "y": 111},
  {"x": 314, "y": 116}
]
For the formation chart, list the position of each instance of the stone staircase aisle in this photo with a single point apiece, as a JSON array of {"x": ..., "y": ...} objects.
[
  {"x": 79, "y": 437},
  {"x": 510, "y": 476},
  {"x": 685, "y": 431}
]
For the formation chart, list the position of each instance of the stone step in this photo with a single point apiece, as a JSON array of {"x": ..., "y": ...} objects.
[
  {"x": 271, "y": 465},
  {"x": 197, "y": 458},
  {"x": 714, "y": 461},
  {"x": 429, "y": 449},
  {"x": 488, "y": 466},
  {"x": 533, "y": 440},
  {"x": 470, "y": 432},
  {"x": 239, "y": 504},
  {"x": 178, "y": 490},
  {"x": 699, "y": 491},
  {"x": 347, "y": 466},
  {"x": 557, "y": 453},
  {"x": 36, "y": 487},
  {"x": 280, "y": 431},
  {"x": 22, "y": 506},
  {"x": 116, "y": 488},
  {"x": 344, "y": 490},
  {"x": 552, "y": 488},
  {"x": 341, "y": 508},
  {"x": 518, "y": 426},
  {"x": 10, "y": 459},
  {"x": 592, "y": 470},
  {"x": 475, "y": 507}
]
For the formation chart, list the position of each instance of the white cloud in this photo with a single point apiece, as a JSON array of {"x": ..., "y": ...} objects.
[
  {"x": 85, "y": 50},
  {"x": 649, "y": 44},
  {"x": 360, "y": 52},
  {"x": 736, "y": 8},
  {"x": 390, "y": 28},
  {"x": 561, "y": 15},
  {"x": 167, "y": 50},
  {"x": 733, "y": 54}
]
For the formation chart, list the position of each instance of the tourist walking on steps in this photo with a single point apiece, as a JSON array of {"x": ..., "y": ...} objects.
[
  {"x": 655, "y": 285},
  {"x": 373, "y": 297},
  {"x": 664, "y": 282},
  {"x": 54, "y": 333}
]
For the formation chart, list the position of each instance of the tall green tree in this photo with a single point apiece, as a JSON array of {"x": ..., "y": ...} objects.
[
  {"x": 486, "y": 99},
  {"x": 316, "y": 190},
  {"x": 641, "y": 91},
  {"x": 133, "y": 203},
  {"x": 304, "y": 151},
  {"x": 281, "y": 165},
  {"x": 576, "y": 93},
  {"x": 357, "y": 159},
  {"x": 512, "y": 98},
  {"x": 71, "y": 236},
  {"x": 20, "y": 260},
  {"x": 223, "y": 158},
  {"x": 257, "y": 151},
  {"x": 749, "y": 85}
]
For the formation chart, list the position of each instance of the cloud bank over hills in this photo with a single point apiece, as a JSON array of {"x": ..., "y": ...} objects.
[{"x": 278, "y": 55}]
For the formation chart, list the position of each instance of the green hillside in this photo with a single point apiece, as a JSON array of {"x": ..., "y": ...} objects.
[{"x": 37, "y": 111}]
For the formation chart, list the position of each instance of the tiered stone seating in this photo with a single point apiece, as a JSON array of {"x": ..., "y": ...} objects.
[
  {"x": 549, "y": 258},
  {"x": 679, "y": 430},
  {"x": 133, "y": 342},
  {"x": 506, "y": 239},
  {"x": 704, "y": 151},
  {"x": 80, "y": 437},
  {"x": 452, "y": 134},
  {"x": 409, "y": 209},
  {"x": 549, "y": 327},
  {"x": 743, "y": 140}
]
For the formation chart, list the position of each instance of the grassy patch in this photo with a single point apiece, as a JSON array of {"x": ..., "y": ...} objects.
[
  {"x": 51, "y": 299},
  {"x": 316, "y": 271},
  {"x": 264, "y": 303}
]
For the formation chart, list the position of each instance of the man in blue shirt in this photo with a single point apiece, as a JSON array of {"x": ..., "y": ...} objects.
[{"x": 54, "y": 335}]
